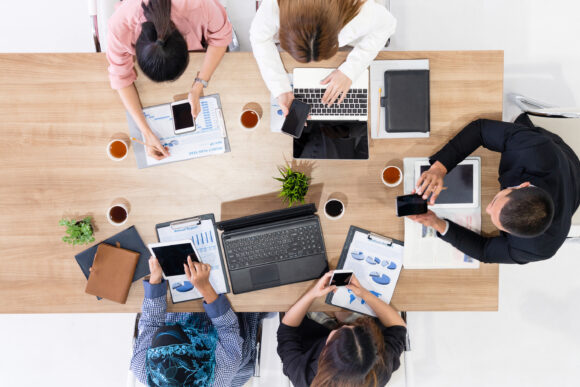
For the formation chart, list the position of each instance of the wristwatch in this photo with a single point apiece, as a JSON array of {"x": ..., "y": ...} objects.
[{"x": 199, "y": 80}]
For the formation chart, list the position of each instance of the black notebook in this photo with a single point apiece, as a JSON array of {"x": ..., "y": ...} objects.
[
  {"x": 129, "y": 239},
  {"x": 406, "y": 101}
]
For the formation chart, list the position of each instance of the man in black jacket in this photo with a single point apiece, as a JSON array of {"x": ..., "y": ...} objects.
[{"x": 540, "y": 191}]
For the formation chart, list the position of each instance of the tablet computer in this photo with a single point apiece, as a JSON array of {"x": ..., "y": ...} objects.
[
  {"x": 462, "y": 184},
  {"x": 172, "y": 256}
]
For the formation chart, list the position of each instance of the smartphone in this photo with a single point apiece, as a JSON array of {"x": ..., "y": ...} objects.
[
  {"x": 411, "y": 205},
  {"x": 296, "y": 118},
  {"x": 341, "y": 277},
  {"x": 172, "y": 256},
  {"x": 183, "y": 121}
]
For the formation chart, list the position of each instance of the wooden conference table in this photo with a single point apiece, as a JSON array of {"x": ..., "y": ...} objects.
[{"x": 59, "y": 112}]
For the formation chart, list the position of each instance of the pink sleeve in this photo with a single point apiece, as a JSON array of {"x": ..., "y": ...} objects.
[
  {"x": 218, "y": 30},
  {"x": 120, "y": 52}
]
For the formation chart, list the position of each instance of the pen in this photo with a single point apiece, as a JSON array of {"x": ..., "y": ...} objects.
[
  {"x": 379, "y": 115},
  {"x": 139, "y": 141}
]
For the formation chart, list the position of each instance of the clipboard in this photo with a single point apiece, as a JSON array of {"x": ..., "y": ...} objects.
[
  {"x": 161, "y": 114},
  {"x": 206, "y": 243},
  {"x": 380, "y": 260}
]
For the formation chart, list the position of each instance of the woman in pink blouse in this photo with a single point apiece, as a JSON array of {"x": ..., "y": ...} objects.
[{"x": 159, "y": 33}]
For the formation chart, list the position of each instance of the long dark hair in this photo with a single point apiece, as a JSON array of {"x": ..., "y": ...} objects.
[
  {"x": 309, "y": 28},
  {"x": 161, "y": 49},
  {"x": 354, "y": 357}
]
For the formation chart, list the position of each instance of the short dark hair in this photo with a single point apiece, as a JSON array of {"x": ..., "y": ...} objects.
[
  {"x": 528, "y": 212},
  {"x": 161, "y": 49}
]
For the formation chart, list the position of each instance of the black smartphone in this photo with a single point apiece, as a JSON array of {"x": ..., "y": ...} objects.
[
  {"x": 411, "y": 205},
  {"x": 296, "y": 118},
  {"x": 341, "y": 277}
]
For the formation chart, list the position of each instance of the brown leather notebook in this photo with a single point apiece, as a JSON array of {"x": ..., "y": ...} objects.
[{"x": 112, "y": 273}]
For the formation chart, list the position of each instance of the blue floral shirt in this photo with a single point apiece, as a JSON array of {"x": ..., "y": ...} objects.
[{"x": 236, "y": 348}]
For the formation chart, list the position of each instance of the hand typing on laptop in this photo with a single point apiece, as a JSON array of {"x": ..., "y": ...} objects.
[{"x": 338, "y": 85}]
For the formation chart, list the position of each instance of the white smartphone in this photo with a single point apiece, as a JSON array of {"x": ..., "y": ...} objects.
[
  {"x": 341, "y": 277},
  {"x": 172, "y": 256},
  {"x": 183, "y": 121}
]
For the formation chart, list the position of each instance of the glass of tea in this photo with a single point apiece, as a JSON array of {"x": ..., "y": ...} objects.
[
  {"x": 117, "y": 214},
  {"x": 392, "y": 176},
  {"x": 117, "y": 149},
  {"x": 251, "y": 115},
  {"x": 334, "y": 209}
]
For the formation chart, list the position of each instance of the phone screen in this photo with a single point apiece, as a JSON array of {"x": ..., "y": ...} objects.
[
  {"x": 296, "y": 118},
  {"x": 171, "y": 258},
  {"x": 182, "y": 116},
  {"x": 411, "y": 205},
  {"x": 341, "y": 279}
]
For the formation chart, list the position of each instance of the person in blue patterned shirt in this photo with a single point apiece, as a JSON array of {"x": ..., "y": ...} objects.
[{"x": 215, "y": 348}]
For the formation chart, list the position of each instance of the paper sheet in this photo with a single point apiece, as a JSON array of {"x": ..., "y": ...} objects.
[
  {"x": 423, "y": 248},
  {"x": 204, "y": 239},
  {"x": 373, "y": 262},
  {"x": 208, "y": 139}
]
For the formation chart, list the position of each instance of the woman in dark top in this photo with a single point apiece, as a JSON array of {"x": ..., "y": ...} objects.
[{"x": 362, "y": 354}]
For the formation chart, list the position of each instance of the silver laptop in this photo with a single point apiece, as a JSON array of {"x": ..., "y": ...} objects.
[{"x": 308, "y": 89}]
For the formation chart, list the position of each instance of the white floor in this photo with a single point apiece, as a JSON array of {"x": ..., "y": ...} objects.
[{"x": 533, "y": 340}]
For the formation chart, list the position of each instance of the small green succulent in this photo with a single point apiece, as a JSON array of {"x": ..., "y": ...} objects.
[
  {"x": 79, "y": 232},
  {"x": 294, "y": 185}
]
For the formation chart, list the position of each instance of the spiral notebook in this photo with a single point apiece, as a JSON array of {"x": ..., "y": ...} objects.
[{"x": 376, "y": 262}]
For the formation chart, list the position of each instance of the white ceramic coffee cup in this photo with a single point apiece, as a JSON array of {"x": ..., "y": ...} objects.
[
  {"x": 257, "y": 122},
  {"x": 397, "y": 182},
  {"x": 334, "y": 217},
  {"x": 109, "y": 149},
  {"x": 123, "y": 206}
]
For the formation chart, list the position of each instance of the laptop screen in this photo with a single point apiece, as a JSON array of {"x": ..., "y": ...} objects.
[{"x": 339, "y": 140}]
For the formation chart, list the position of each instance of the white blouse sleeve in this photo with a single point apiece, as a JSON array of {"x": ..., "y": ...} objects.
[
  {"x": 379, "y": 25},
  {"x": 264, "y": 28}
]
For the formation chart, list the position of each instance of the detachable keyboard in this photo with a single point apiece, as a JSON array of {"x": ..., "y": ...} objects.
[
  {"x": 275, "y": 246},
  {"x": 353, "y": 107}
]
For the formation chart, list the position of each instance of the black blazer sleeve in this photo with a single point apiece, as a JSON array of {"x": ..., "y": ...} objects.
[
  {"x": 291, "y": 351},
  {"x": 493, "y": 135},
  {"x": 487, "y": 250}
]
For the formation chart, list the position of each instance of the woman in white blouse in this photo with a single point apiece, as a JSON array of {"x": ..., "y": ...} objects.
[{"x": 313, "y": 30}]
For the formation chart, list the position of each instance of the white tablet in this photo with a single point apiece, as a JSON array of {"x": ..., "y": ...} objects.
[
  {"x": 172, "y": 256},
  {"x": 463, "y": 184}
]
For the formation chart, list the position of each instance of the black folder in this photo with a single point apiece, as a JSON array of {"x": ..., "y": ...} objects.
[{"x": 406, "y": 101}]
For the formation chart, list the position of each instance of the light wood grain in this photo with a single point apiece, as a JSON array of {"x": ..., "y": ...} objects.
[{"x": 58, "y": 113}]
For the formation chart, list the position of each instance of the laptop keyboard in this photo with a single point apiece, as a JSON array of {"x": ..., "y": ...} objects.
[
  {"x": 354, "y": 104},
  {"x": 271, "y": 247}
]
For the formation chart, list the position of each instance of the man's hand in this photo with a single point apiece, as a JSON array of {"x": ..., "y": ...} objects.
[
  {"x": 429, "y": 219},
  {"x": 285, "y": 100},
  {"x": 193, "y": 97},
  {"x": 156, "y": 271},
  {"x": 431, "y": 182},
  {"x": 322, "y": 288},
  {"x": 154, "y": 147},
  {"x": 198, "y": 274},
  {"x": 338, "y": 86},
  {"x": 357, "y": 288}
]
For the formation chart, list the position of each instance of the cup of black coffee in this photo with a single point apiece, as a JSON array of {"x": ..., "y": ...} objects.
[{"x": 334, "y": 209}]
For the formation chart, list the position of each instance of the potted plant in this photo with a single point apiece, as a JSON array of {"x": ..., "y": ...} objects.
[
  {"x": 294, "y": 185},
  {"x": 78, "y": 232}
]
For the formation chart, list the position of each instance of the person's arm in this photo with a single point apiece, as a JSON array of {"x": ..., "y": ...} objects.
[
  {"x": 264, "y": 28},
  {"x": 296, "y": 313},
  {"x": 386, "y": 314},
  {"x": 152, "y": 318},
  {"x": 211, "y": 60},
  {"x": 132, "y": 103},
  {"x": 217, "y": 31},
  {"x": 228, "y": 352},
  {"x": 380, "y": 25}
]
